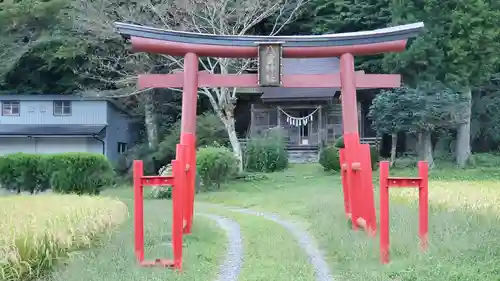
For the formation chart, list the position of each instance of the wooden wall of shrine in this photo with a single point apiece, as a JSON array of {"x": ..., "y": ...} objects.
[{"x": 304, "y": 123}]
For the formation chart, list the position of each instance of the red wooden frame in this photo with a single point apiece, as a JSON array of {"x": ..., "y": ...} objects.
[
  {"x": 355, "y": 157},
  {"x": 180, "y": 199},
  {"x": 422, "y": 183}
]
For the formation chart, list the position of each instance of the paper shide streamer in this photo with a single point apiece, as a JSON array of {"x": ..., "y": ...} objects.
[{"x": 299, "y": 121}]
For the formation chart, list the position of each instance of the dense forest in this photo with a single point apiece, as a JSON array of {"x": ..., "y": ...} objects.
[{"x": 449, "y": 100}]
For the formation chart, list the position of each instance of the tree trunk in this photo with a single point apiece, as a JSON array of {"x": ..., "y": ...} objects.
[
  {"x": 150, "y": 119},
  {"x": 442, "y": 147},
  {"x": 463, "y": 150},
  {"x": 426, "y": 147},
  {"x": 394, "y": 143},
  {"x": 229, "y": 123}
]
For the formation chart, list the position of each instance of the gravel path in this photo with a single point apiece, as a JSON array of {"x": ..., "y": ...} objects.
[
  {"x": 306, "y": 242},
  {"x": 231, "y": 267}
]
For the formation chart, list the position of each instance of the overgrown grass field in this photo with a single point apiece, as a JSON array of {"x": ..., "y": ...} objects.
[
  {"x": 463, "y": 223},
  {"x": 115, "y": 260},
  {"x": 463, "y": 232},
  {"x": 37, "y": 231}
]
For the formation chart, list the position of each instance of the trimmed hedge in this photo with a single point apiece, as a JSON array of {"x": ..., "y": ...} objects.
[{"x": 79, "y": 173}]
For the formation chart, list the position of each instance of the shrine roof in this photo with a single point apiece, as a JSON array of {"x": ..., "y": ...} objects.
[{"x": 157, "y": 40}]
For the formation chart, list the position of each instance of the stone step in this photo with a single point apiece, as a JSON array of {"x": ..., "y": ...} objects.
[{"x": 303, "y": 156}]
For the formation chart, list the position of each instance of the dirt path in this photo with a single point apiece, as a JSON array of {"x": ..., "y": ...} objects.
[
  {"x": 230, "y": 269},
  {"x": 306, "y": 242}
]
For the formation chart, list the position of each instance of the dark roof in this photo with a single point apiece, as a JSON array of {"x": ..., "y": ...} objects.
[
  {"x": 401, "y": 32},
  {"x": 297, "y": 94},
  {"x": 52, "y": 130}
]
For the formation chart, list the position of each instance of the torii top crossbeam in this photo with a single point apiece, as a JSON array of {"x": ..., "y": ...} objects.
[{"x": 155, "y": 40}]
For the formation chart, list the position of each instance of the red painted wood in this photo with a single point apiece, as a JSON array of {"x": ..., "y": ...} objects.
[
  {"x": 345, "y": 187},
  {"x": 348, "y": 88},
  {"x": 178, "y": 197},
  {"x": 189, "y": 140},
  {"x": 384, "y": 212},
  {"x": 423, "y": 204},
  {"x": 403, "y": 182},
  {"x": 189, "y": 93},
  {"x": 138, "y": 210},
  {"x": 420, "y": 182},
  {"x": 157, "y": 180},
  {"x": 140, "y": 44},
  {"x": 176, "y": 80}
]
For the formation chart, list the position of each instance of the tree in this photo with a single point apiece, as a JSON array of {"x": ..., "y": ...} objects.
[
  {"x": 427, "y": 109},
  {"x": 461, "y": 47},
  {"x": 337, "y": 16},
  {"x": 32, "y": 47},
  {"x": 227, "y": 17},
  {"x": 391, "y": 113}
]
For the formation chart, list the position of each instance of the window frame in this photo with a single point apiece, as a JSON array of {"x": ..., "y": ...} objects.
[
  {"x": 11, "y": 102},
  {"x": 122, "y": 148},
  {"x": 63, "y": 104}
]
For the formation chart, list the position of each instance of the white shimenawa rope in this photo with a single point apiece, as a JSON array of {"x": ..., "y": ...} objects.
[{"x": 298, "y": 121}]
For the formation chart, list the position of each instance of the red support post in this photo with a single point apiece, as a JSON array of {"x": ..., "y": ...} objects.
[
  {"x": 423, "y": 204},
  {"x": 421, "y": 182},
  {"x": 366, "y": 182},
  {"x": 345, "y": 187},
  {"x": 138, "y": 210},
  {"x": 384, "y": 212},
  {"x": 188, "y": 134},
  {"x": 178, "y": 198},
  {"x": 356, "y": 163}
]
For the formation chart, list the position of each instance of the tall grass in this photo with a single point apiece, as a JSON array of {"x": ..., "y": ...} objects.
[{"x": 36, "y": 231}]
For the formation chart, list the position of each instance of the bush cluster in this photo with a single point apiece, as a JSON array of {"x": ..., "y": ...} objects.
[
  {"x": 209, "y": 130},
  {"x": 267, "y": 152},
  {"x": 329, "y": 156},
  {"x": 79, "y": 173},
  {"x": 216, "y": 165}
]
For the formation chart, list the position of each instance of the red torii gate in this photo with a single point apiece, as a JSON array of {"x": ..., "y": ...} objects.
[{"x": 355, "y": 157}]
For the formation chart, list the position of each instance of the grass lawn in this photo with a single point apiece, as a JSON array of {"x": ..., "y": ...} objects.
[{"x": 463, "y": 233}]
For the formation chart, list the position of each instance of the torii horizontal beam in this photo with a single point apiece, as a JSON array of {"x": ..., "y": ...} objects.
[
  {"x": 205, "y": 79},
  {"x": 178, "y": 43}
]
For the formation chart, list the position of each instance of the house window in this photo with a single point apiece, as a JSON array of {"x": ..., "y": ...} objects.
[
  {"x": 122, "y": 147},
  {"x": 10, "y": 108},
  {"x": 62, "y": 108}
]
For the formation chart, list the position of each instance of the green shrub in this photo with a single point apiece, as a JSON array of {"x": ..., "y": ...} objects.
[
  {"x": 266, "y": 153},
  {"x": 329, "y": 158},
  {"x": 80, "y": 173},
  {"x": 216, "y": 164},
  {"x": 339, "y": 143},
  {"x": 24, "y": 172}
]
